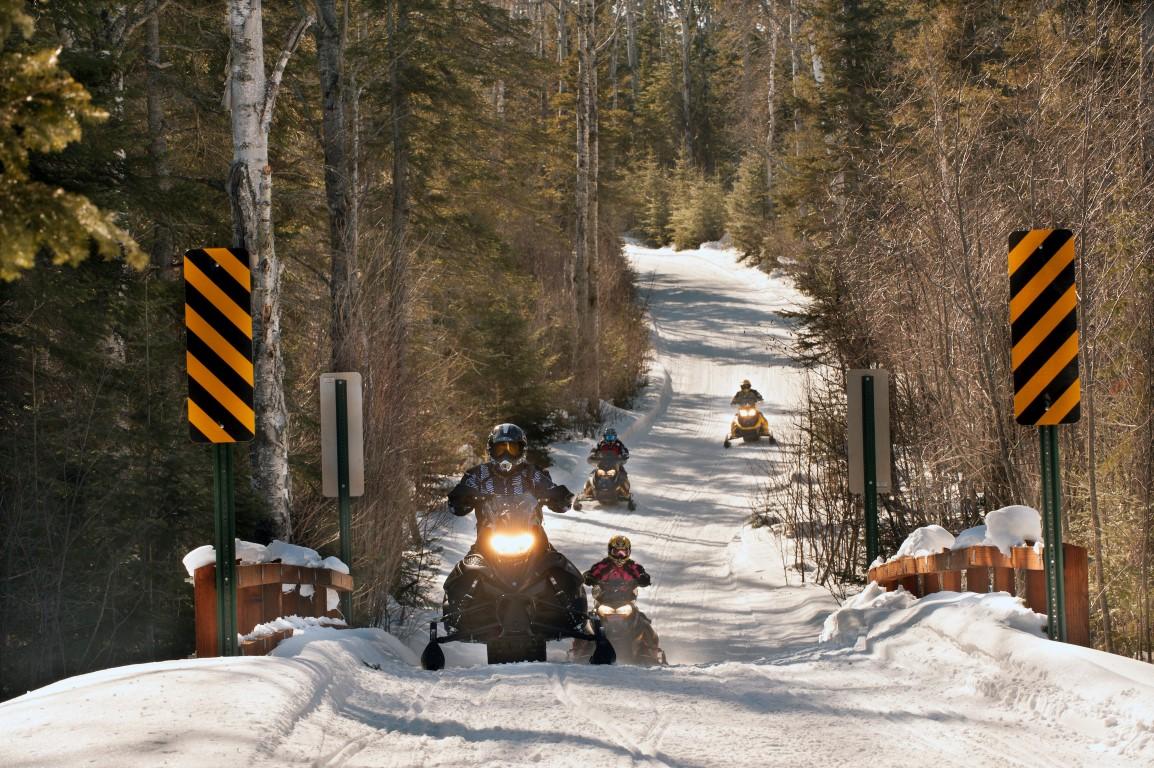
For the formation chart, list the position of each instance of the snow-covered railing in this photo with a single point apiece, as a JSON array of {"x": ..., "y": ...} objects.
[
  {"x": 984, "y": 569},
  {"x": 265, "y": 592}
]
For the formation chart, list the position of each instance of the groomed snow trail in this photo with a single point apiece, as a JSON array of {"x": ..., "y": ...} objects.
[{"x": 960, "y": 681}]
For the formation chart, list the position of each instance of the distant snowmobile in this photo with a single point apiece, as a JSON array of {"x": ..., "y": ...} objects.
[
  {"x": 513, "y": 591},
  {"x": 750, "y": 425},
  {"x": 605, "y": 484}
]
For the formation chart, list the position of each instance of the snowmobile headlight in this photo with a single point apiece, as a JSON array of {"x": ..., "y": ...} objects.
[
  {"x": 624, "y": 610},
  {"x": 511, "y": 543},
  {"x": 611, "y": 472},
  {"x": 600, "y": 473},
  {"x": 747, "y": 413},
  {"x": 608, "y": 610},
  {"x": 605, "y": 610}
]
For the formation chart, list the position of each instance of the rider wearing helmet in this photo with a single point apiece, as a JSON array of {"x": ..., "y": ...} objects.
[
  {"x": 507, "y": 474},
  {"x": 747, "y": 395},
  {"x": 615, "y": 580},
  {"x": 610, "y": 444},
  {"x": 616, "y": 568}
]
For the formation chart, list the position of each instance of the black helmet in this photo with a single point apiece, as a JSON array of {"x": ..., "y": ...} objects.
[
  {"x": 610, "y": 434},
  {"x": 745, "y": 384},
  {"x": 507, "y": 446},
  {"x": 620, "y": 548}
]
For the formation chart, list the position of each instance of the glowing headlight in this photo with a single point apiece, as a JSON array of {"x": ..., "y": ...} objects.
[
  {"x": 600, "y": 473},
  {"x": 511, "y": 543},
  {"x": 611, "y": 472},
  {"x": 608, "y": 610},
  {"x": 747, "y": 412}
]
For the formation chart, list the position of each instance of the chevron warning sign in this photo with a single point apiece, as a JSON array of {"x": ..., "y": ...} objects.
[
  {"x": 1044, "y": 327},
  {"x": 218, "y": 320}
]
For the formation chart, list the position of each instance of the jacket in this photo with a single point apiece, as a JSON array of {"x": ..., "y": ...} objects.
[
  {"x": 614, "y": 446},
  {"x": 608, "y": 574},
  {"x": 746, "y": 397},
  {"x": 484, "y": 480}
]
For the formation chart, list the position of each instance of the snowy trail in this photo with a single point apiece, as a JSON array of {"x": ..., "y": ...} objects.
[{"x": 956, "y": 681}]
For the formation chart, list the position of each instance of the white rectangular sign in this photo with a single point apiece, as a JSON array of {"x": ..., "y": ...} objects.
[
  {"x": 856, "y": 443},
  {"x": 356, "y": 434}
]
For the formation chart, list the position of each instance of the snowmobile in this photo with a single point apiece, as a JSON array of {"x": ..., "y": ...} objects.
[
  {"x": 513, "y": 591},
  {"x": 607, "y": 481},
  {"x": 627, "y": 628},
  {"x": 750, "y": 425}
]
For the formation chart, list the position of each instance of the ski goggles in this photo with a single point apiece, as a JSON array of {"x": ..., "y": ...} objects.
[
  {"x": 507, "y": 450},
  {"x": 619, "y": 554}
]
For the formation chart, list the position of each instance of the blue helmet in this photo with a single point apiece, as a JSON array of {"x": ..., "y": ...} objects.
[{"x": 610, "y": 434}]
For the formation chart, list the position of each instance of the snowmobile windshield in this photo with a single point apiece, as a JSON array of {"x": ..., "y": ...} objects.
[
  {"x": 509, "y": 525},
  {"x": 519, "y": 512}
]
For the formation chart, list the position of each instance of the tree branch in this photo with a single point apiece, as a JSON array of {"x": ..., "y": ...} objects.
[{"x": 274, "y": 80}]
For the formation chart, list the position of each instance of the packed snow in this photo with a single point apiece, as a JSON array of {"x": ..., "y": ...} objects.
[
  {"x": 1005, "y": 528},
  {"x": 948, "y": 680},
  {"x": 928, "y": 540}
]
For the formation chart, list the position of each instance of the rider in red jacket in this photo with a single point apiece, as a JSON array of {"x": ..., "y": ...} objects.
[{"x": 615, "y": 581}]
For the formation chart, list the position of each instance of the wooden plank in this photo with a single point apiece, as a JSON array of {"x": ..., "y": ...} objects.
[
  {"x": 951, "y": 580},
  {"x": 1077, "y": 577},
  {"x": 249, "y": 609},
  {"x": 1036, "y": 591},
  {"x": 912, "y": 584},
  {"x": 1027, "y": 558},
  {"x": 204, "y": 598},
  {"x": 931, "y": 583},
  {"x": 978, "y": 580},
  {"x": 1004, "y": 580}
]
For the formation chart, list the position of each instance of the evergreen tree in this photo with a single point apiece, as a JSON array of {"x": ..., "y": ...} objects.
[
  {"x": 749, "y": 208},
  {"x": 41, "y": 109}
]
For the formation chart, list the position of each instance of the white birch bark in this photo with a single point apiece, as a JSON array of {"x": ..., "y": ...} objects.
[{"x": 251, "y": 97}]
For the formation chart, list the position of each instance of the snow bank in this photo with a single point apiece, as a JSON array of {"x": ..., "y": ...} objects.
[
  {"x": 1005, "y": 528},
  {"x": 248, "y": 552},
  {"x": 297, "y": 624},
  {"x": 928, "y": 540},
  {"x": 860, "y": 612}
]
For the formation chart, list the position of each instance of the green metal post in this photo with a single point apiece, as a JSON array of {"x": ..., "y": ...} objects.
[
  {"x": 870, "y": 469},
  {"x": 225, "y": 542},
  {"x": 1052, "y": 530},
  {"x": 343, "y": 490}
]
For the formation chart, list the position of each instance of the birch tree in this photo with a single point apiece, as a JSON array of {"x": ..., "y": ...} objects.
[{"x": 251, "y": 98}]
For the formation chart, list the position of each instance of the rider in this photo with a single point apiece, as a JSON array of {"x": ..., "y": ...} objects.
[
  {"x": 505, "y": 474},
  {"x": 747, "y": 395},
  {"x": 612, "y": 445},
  {"x": 618, "y": 576}
]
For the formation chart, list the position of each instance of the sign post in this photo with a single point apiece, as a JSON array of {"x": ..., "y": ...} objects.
[
  {"x": 1047, "y": 390},
  {"x": 343, "y": 456},
  {"x": 218, "y": 355},
  {"x": 867, "y": 396}
]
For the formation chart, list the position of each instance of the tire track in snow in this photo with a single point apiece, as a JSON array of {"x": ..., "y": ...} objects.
[{"x": 643, "y": 749}]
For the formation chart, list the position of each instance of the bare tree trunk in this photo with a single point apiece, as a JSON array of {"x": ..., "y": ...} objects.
[
  {"x": 340, "y": 195},
  {"x": 1147, "y": 106},
  {"x": 398, "y": 21},
  {"x": 685, "y": 9},
  {"x": 770, "y": 9},
  {"x": 631, "y": 56},
  {"x": 251, "y": 98},
  {"x": 586, "y": 235},
  {"x": 162, "y": 247}
]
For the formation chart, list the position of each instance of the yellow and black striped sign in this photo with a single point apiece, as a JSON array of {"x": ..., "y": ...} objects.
[
  {"x": 1044, "y": 327},
  {"x": 218, "y": 319}
]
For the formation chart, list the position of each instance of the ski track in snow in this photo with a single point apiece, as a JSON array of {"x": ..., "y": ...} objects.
[{"x": 748, "y": 683}]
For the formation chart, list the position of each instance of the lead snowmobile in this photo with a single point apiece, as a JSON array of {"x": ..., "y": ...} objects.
[{"x": 513, "y": 591}]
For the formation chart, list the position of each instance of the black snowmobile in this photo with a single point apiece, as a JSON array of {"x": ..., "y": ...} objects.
[
  {"x": 607, "y": 481},
  {"x": 513, "y": 591}
]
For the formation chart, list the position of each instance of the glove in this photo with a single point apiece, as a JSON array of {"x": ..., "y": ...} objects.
[
  {"x": 588, "y": 578},
  {"x": 461, "y": 501},
  {"x": 559, "y": 499},
  {"x": 644, "y": 580}
]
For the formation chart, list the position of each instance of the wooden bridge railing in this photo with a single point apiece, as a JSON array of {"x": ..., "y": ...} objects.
[
  {"x": 261, "y": 599},
  {"x": 986, "y": 569}
]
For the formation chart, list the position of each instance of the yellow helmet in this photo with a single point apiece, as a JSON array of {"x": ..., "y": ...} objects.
[
  {"x": 745, "y": 384},
  {"x": 619, "y": 548}
]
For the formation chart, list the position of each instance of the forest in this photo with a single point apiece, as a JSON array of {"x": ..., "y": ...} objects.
[{"x": 453, "y": 180}]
